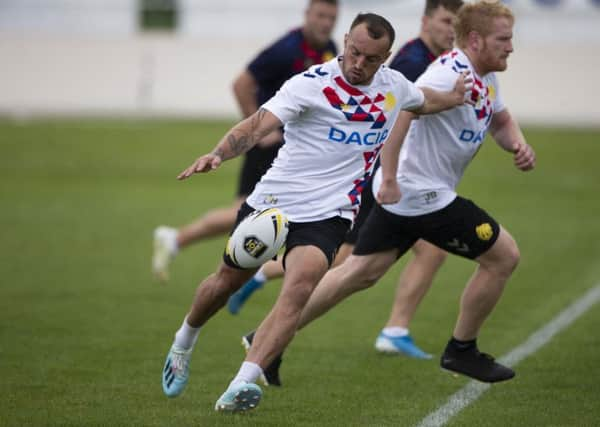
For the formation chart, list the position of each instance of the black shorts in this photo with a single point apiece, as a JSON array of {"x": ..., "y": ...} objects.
[
  {"x": 461, "y": 228},
  {"x": 327, "y": 234},
  {"x": 256, "y": 162}
]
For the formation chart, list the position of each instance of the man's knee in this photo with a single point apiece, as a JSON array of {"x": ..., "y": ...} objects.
[
  {"x": 512, "y": 256},
  {"x": 504, "y": 256},
  {"x": 228, "y": 280}
]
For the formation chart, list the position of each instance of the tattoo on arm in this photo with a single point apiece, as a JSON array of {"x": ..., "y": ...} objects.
[
  {"x": 260, "y": 114},
  {"x": 219, "y": 152},
  {"x": 240, "y": 144}
]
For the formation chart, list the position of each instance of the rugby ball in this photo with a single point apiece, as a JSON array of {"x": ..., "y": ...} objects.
[{"x": 257, "y": 238}]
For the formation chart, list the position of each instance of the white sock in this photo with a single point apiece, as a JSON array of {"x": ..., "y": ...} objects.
[
  {"x": 174, "y": 247},
  {"x": 259, "y": 276},
  {"x": 169, "y": 236},
  {"x": 248, "y": 373},
  {"x": 395, "y": 331},
  {"x": 186, "y": 336}
]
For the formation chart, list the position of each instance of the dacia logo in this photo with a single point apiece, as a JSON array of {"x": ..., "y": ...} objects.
[
  {"x": 254, "y": 246},
  {"x": 467, "y": 135},
  {"x": 484, "y": 231},
  {"x": 369, "y": 138}
]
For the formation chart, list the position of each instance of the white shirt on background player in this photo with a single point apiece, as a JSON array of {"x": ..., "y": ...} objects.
[
  {"x": 438, "y": 147},
  {"x": 325, "y": 154}
]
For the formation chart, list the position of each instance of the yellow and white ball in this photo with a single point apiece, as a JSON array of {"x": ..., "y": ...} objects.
[{"x": 257, "y": 238}]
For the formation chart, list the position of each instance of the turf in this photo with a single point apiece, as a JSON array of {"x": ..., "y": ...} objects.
[{"x": 84, "y": 328}]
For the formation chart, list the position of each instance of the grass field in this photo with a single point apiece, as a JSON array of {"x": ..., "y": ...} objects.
[{"x": 84, "y": 329}]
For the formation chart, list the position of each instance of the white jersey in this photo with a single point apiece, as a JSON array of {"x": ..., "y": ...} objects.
[
  {"x": 333, "y": 134},
  {"x": 438, "y": 147}
]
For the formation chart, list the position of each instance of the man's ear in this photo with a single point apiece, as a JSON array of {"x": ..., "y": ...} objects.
[{"x": 474, "y": 41}]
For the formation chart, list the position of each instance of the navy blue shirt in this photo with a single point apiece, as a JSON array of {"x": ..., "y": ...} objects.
[
  {"x": 285, "y": 58},
  {"x": 412, "y": 59}
]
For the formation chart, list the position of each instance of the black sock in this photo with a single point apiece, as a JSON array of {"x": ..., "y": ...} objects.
[{"x": 462, "y": 345}]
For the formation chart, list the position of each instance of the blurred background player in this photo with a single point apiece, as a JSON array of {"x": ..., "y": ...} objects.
[
  {"x": 435, "y": 37},
  {"x": 293, "y": 53}
]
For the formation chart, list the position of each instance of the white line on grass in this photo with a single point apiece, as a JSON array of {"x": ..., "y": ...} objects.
[{"x": 471, "y": 392}]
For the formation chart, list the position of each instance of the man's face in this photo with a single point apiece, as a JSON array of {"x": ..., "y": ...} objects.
[
  {"x": 440, "y": 28},
  {"x": 319, "y": 22},
  {"x": 497, "y": 46},
  {"x": 363, "y": 55}
]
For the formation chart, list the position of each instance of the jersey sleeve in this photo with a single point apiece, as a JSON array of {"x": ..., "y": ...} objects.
[
  {"x": 292, "y": 99},
  {"x": 411, "y": 96},
  {"x": 438, "y": 77}
]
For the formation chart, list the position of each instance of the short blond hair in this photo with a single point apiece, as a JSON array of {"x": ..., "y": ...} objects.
[{"x": 478, "y": 17}]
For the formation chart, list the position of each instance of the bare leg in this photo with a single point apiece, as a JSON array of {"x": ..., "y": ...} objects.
[
  {"x": 343, "y": 252},
  {"x": 478, "y": 300},
  {"x": 415, "y": 281},
  {"x": 305, "y": 266},
  {"x": 213, "y": 223},
  {"x": 269, "y": 270},
  {"x": 355, "y": 274},
  {"x": 211, "y": 295},
  {"x": 213, "y": 292},
  {"x": 486, "y": 285},
  {"x": 274, "y": 269}
]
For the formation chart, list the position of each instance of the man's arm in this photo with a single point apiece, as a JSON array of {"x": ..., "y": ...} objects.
[
  {"x": 436, "y": 101},
  {"x": 236, "y": 141},
  {"x": 507, "y": 134},
  {"x": 389, "y": 192},
  {"x": 245, "y": 88}
]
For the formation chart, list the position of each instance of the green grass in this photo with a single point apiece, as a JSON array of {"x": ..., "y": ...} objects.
[{"x": 84, "y": 329}]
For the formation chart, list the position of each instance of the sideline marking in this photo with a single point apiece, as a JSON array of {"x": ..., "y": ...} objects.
[{"x": 471, "y": 392}]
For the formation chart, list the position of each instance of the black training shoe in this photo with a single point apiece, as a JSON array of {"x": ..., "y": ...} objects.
[
  {"x": 475, "y": 364},
  {"x": 271, "y": 374}
]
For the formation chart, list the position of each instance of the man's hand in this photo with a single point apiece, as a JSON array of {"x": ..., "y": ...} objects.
[
  {"x": 436, "y": 101},
  {"x": 389, "y": 192},
  {"x": 524, "y": 156},
  {"x": 203, "y": 164},
  {"x": 463, "y": 87}
]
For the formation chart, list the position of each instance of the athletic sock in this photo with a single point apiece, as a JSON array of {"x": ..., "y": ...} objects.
[
  {"x": 186, "y": 336},
  {"x": 260, "y": 276},
  {"x": 463, "y": 345},
  {"x": 249, "y": 372},
  {"x": 395, "y": 331},
  {"x": 174, "y": 243}
]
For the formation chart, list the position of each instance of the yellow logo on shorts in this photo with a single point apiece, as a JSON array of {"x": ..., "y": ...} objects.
[{"x": 484, "y": 231}]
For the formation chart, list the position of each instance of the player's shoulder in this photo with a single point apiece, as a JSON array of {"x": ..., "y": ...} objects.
[
  {"x": 291, "y": 39},
  {"x": 413, "y": 47},
  {"x": 453, "y": 60},
  {"x": 390, "y": 76},
  {"x": 324, "y": 71},
  {"x": 313, "y": 79},
  {"x": 446, "y": 67},
  {"x": 286, "y": 45}
]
